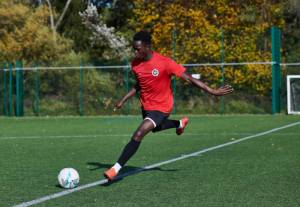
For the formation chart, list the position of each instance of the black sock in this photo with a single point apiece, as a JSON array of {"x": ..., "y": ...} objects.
[
  {"x": 168, "y": 124},
  {"x": 128, "y": 151}
]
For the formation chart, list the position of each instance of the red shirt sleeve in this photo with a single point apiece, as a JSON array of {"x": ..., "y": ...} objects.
[{"x": 174, "y": 68}]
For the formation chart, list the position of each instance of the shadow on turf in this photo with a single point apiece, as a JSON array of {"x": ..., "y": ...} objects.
[{"x": 125, "y": 169}]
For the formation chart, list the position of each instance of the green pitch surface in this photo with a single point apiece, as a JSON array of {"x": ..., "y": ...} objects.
[{"x": 259, "y": 171}]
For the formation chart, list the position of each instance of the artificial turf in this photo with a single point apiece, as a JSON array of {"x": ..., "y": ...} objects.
[{"x": 261, "y": 171}]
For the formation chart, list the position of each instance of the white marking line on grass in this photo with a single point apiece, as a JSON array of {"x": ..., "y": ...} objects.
[
  {"x": 129, "y": 135},
  {"x": 39, "y": 200}
]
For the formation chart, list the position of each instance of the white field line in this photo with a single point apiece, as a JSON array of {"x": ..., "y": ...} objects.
[
  {"x": 129, "y": 135},
  {"x": 39, "y": 200}
]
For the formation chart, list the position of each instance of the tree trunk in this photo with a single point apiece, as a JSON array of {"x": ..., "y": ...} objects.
[
  {"x": 62, "y": 15},
  {"x": 87, "y": 18},
  {"x": 52, "y": 22},
  {"x": 54, "y": 28}
]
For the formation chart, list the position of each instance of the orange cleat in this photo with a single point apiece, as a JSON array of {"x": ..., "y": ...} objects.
[
  {"x": 110, "y": 174},
  {"x": 184, "y": 122}
]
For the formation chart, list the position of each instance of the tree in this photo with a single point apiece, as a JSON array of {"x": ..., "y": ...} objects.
[
  {"x": 198, "y": 28},
  {"x": 119, "y": 15},
  {"x": 103, "y": 35},
  {"x": 25, "y": 34},
  {"x": 54, "y": 27},
  {"x": 71, "y": 25}
]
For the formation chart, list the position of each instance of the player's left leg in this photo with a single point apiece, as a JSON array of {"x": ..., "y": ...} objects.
[{"x": 168, "y": 124}]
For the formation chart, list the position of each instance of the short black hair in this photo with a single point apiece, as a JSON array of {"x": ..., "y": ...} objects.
[{"x": 143, "y": 36}]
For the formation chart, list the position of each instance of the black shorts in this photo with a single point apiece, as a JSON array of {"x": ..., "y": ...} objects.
[{"x": 156, "y": 117}]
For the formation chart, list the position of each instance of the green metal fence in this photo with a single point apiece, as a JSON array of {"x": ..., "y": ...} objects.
[
  {"x": 91, "y": 87},
  {"x": 276, "y": 71}
]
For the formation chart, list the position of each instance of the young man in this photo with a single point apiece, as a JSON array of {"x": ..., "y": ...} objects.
[{"x": 153, "y": 73}]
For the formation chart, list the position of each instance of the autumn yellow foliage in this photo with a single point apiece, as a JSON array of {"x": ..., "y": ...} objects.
[
  {"x": 25, "y": 33},
  {"x": 198, "y": 37}
]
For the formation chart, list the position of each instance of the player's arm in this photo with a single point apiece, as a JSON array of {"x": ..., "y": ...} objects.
[
  {"x": 217, "y": 92},
  {"x": 135, "y": 89}
]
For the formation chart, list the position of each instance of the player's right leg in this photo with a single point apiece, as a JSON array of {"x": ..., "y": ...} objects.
[
  {"x": 131, "y": 148},
  {"x": 183, "y": 122}
]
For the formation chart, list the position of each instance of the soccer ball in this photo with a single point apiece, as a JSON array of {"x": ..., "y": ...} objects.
[{"x": 68, "y": 178}]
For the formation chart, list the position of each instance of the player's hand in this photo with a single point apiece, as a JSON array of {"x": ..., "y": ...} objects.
[
  {"x": 118, "y": 105},
  {"x": 223, "y": 91}
]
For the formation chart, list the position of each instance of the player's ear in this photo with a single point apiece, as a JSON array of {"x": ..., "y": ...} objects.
[{"x": 148, "y": 47}]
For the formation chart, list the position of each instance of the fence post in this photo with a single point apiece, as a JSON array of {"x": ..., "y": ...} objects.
[
  {"x": 276, "y": 71},
  {"x": 81, "y": 89},
  {"x": 36, "y": 90},
  {"x": 223, "y": 98},
  {"x": 17, "y": 89},
  {"x": 174, "y": 77},
  {"x": 5, "y": 101},
  {"x": 21, "y": 90},
  {"x": 127, "y": 85},
  {"x": 10, "y": 89}
]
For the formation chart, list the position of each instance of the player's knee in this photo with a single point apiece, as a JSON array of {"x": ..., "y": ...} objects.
[{"x": 138, "y": 135}]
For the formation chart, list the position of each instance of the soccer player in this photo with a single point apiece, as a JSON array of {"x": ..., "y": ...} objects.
[{"x": 153, "y": 73}]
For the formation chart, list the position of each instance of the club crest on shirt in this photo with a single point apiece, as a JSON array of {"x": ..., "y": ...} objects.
[{"x": 155, "y": 72}]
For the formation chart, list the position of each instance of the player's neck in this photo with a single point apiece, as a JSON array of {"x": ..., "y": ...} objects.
[{"x": 149, "y": 56}]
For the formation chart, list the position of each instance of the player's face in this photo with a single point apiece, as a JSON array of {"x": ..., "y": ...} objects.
[{"x": 140, "y": 49}]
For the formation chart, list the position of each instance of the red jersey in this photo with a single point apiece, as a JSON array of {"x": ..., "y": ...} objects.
[{"x": 154, "y": 78}]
